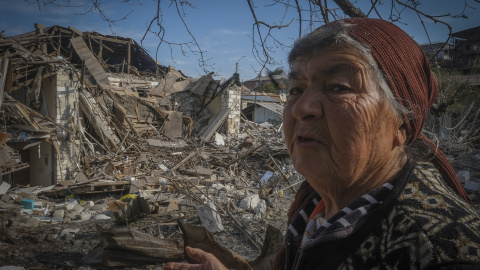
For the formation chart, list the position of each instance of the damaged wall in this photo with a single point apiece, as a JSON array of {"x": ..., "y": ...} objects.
[
  {"x": 67, "y": 114},
  {"x": 231, "y": 100}
]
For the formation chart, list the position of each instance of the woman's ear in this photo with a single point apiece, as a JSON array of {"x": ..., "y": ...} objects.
[{"x": 400, "y": 136}]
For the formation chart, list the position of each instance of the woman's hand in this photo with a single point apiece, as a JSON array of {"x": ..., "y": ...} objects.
[{"x": 206, "y": 261}]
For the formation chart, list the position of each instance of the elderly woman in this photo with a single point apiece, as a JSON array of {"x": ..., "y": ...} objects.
[{"x": 378, "y": 194}]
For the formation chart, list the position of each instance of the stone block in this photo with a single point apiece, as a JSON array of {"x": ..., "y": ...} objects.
[
  {"x": 77, "y": 208},
  {"x": 59, "y": 214},
  {"x": 250, "y": 202},
  {"x": 261, "y": 207},
  {"x": 84, "y": 216},
  {"x": 210, "y": 218}
]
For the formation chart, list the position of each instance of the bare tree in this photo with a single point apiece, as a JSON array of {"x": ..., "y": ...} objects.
[{"x": 308, "y": 14}]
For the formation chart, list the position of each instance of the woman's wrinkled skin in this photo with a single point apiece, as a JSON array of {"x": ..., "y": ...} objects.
[{"x": 340, "y": 131}]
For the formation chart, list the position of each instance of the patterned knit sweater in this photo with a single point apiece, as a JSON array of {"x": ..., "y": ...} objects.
[{"x": 421, "y": 224}]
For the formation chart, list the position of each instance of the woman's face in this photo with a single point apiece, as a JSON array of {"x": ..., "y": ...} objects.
[{"x": 339, "y": 128}]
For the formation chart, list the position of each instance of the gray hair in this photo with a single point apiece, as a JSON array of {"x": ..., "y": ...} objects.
[{"x": 336, "y": 35}]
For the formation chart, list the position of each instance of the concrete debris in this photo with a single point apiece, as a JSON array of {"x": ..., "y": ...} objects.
[
  {"x": 261, "y": 207},
  {"x": 211, "y": 220},
  {"x": 67, "y": 232},
  {"x": 59, "y": 214},
  {"x": 100, "y": 217},
  {"x": 250, "y": 202}
]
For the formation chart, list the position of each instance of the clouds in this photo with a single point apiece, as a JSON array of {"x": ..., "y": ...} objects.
[{"x": 230, "y": 32}]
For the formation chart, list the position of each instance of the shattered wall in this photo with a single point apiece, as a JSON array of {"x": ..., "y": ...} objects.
[
  {"x": 66, "y": 114},
  {"x": 231, "y": 99}
]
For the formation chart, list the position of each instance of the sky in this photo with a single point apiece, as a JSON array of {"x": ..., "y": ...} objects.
[{"x": 222, "y": 29}]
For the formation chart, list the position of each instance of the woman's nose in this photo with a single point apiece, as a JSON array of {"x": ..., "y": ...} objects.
[{"x": 308, "y": 106}]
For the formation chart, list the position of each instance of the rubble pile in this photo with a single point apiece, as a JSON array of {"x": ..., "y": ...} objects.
[{"x": 111, "y": 159}]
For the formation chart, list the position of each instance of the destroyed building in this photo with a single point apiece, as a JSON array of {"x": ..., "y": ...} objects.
[{"x": 69, "y": 96}]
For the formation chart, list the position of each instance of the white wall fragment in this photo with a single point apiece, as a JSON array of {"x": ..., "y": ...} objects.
[
  {"x": 210, "y": 218},
  {"x": 250, "y": 202}
]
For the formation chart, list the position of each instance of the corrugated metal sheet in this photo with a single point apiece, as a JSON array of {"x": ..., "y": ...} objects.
[
  {"x": 274, "y": 107},
  {"x": 259, "y": 98}
]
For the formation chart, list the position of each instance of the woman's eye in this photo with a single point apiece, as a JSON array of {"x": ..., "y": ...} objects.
[
  {"x": 340, "y": 88},
  {"x": 295, "y": 91}
]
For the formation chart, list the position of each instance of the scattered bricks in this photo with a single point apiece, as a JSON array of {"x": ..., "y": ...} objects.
[
  {"x": 250, "y": 202},
  {"x": 59, "y": 214},
  {"x": 463, "y": 176},
  {"x": 210, "y": 218}
]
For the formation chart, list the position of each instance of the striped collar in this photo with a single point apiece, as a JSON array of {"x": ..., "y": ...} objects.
[{"x": 345, "y": 218}]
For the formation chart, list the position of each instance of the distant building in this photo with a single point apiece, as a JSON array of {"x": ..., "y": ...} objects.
[
  {"x": 259, "y": 97},
  {"x": 281, "y": 79},
  {"x": 264, "y": 112},
  {"x": 466, "y": 48},
  {"x": 444, "y": 50}
]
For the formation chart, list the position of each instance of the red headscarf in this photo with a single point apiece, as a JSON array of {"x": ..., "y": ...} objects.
[{"x": 410, "y": 78}]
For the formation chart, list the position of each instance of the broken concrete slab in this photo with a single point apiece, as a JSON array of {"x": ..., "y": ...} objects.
[
  {"x": 4, "y": 187},
  {"x": 59, "y": 214},
  {"x": 250, "y": 202},
  {"x": 173, "y": 126},
  {"x": 84, "y": 216},
  {"x": 211, "y": 220}
]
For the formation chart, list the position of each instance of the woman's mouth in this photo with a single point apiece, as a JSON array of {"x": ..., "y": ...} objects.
[{"x": 304, "y": 139}]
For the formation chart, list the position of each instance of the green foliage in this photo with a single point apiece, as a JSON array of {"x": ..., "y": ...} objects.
[
  {"x": 277, "y": 71},
  {"x": 267, "y": 87}
]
